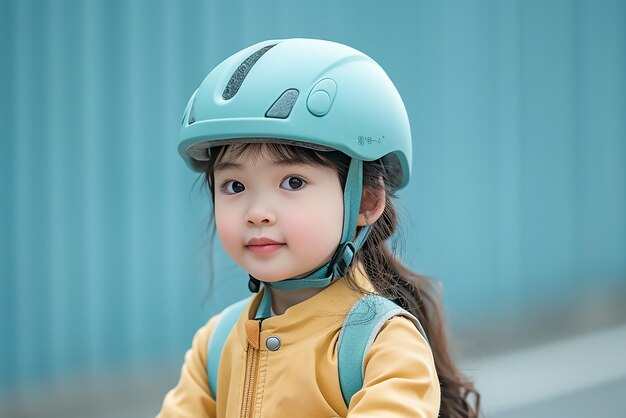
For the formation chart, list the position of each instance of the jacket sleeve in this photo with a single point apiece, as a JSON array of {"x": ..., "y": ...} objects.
[
  {"x": 192, "y": 397},
  {"x": 400, "y": 379}
]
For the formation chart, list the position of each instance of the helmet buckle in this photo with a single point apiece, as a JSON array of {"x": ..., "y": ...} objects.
[
  {"x": 254, "y": 284},
  {"x": 343, "y": 258}
]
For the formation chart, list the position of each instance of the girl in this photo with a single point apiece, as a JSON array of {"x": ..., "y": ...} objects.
[{"x": 303, "y": 144}]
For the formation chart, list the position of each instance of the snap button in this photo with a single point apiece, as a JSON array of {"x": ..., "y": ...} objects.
[{"x": 272, "y": 343}]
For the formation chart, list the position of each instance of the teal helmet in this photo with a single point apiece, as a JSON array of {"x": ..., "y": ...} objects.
[{"x": 311, "y": 93}]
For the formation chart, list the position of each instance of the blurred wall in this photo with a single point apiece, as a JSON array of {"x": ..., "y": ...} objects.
[{"x": 517, "y": 200}]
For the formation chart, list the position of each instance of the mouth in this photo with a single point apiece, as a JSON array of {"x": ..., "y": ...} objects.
[{"x": 263, "y": 245}]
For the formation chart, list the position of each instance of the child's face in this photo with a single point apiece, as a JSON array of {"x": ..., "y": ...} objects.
[{"x": 298, "y": 206}]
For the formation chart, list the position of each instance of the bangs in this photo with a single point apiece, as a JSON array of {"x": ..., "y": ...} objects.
[{"x": 278, "y": 153}]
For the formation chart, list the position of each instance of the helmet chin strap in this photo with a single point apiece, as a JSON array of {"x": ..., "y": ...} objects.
[{"x": 344, "y": 255}]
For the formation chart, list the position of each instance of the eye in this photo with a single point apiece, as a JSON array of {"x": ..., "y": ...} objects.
[
  {"x": 293, "y": 183},
  {"x": 233, "y": 187}
]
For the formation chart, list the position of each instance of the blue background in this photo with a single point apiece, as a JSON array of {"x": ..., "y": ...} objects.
[{"x": 517, "y": 203}]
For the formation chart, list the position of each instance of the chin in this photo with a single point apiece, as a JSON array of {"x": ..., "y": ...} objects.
[
  {"x": 267, "y": 275},
  {"x": 272, "y": 276}
]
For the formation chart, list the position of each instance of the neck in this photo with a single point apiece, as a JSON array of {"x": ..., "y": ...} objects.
[{"x": 284, "y": 299}]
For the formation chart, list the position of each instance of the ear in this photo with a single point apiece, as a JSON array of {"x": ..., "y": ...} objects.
[{"x": 372, "y": 206}]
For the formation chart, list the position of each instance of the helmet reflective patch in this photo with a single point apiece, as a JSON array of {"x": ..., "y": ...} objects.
[
  {"x": 242, "y": 72},
  {"x": 282, "y": 107}
]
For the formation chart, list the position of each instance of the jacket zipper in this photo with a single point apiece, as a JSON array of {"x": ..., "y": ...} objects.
[{"x": 249, "y": 392}]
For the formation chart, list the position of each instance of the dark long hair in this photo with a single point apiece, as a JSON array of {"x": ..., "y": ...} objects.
[{"x": 389, "y": 276}]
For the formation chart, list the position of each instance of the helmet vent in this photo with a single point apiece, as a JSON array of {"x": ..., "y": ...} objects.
[
  {"x": 241, "y": 72},
  {"x": 282, "y": 107}
]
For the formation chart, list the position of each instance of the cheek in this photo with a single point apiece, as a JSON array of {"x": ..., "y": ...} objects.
[
  {"x": 226, "y": 226},
  {"x": 320, "y": 225}
]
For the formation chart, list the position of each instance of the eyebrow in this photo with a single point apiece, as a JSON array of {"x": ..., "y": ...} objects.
[{"x": 225, "y": 165}]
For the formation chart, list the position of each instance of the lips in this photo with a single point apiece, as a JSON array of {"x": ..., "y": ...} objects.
[
  {"x": 263, "y": 245},
  {"x": 262, "y": 241}
]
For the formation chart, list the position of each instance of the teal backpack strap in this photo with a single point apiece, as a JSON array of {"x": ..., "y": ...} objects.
[
  {"x": 225, "y": 323},
  {"x": 360, "y": 328}
]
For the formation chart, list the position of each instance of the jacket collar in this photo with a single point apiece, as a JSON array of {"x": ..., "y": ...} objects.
[{"x": 322, "y": 311}]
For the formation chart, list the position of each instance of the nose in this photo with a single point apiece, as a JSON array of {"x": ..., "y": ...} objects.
[{"x": 261, "y": 217}]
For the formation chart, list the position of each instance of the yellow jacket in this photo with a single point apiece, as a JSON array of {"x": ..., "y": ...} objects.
[{"x": 300, "y": 378}]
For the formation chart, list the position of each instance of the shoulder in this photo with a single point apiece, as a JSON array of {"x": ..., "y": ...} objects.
[
  {"x": 400, "y": 351},
  {"x": 227, "y": 318},
  {"x": 203, "y": 335},
  {"x": 399, "y": 361},
  {"x": 403, "y": 329}
]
